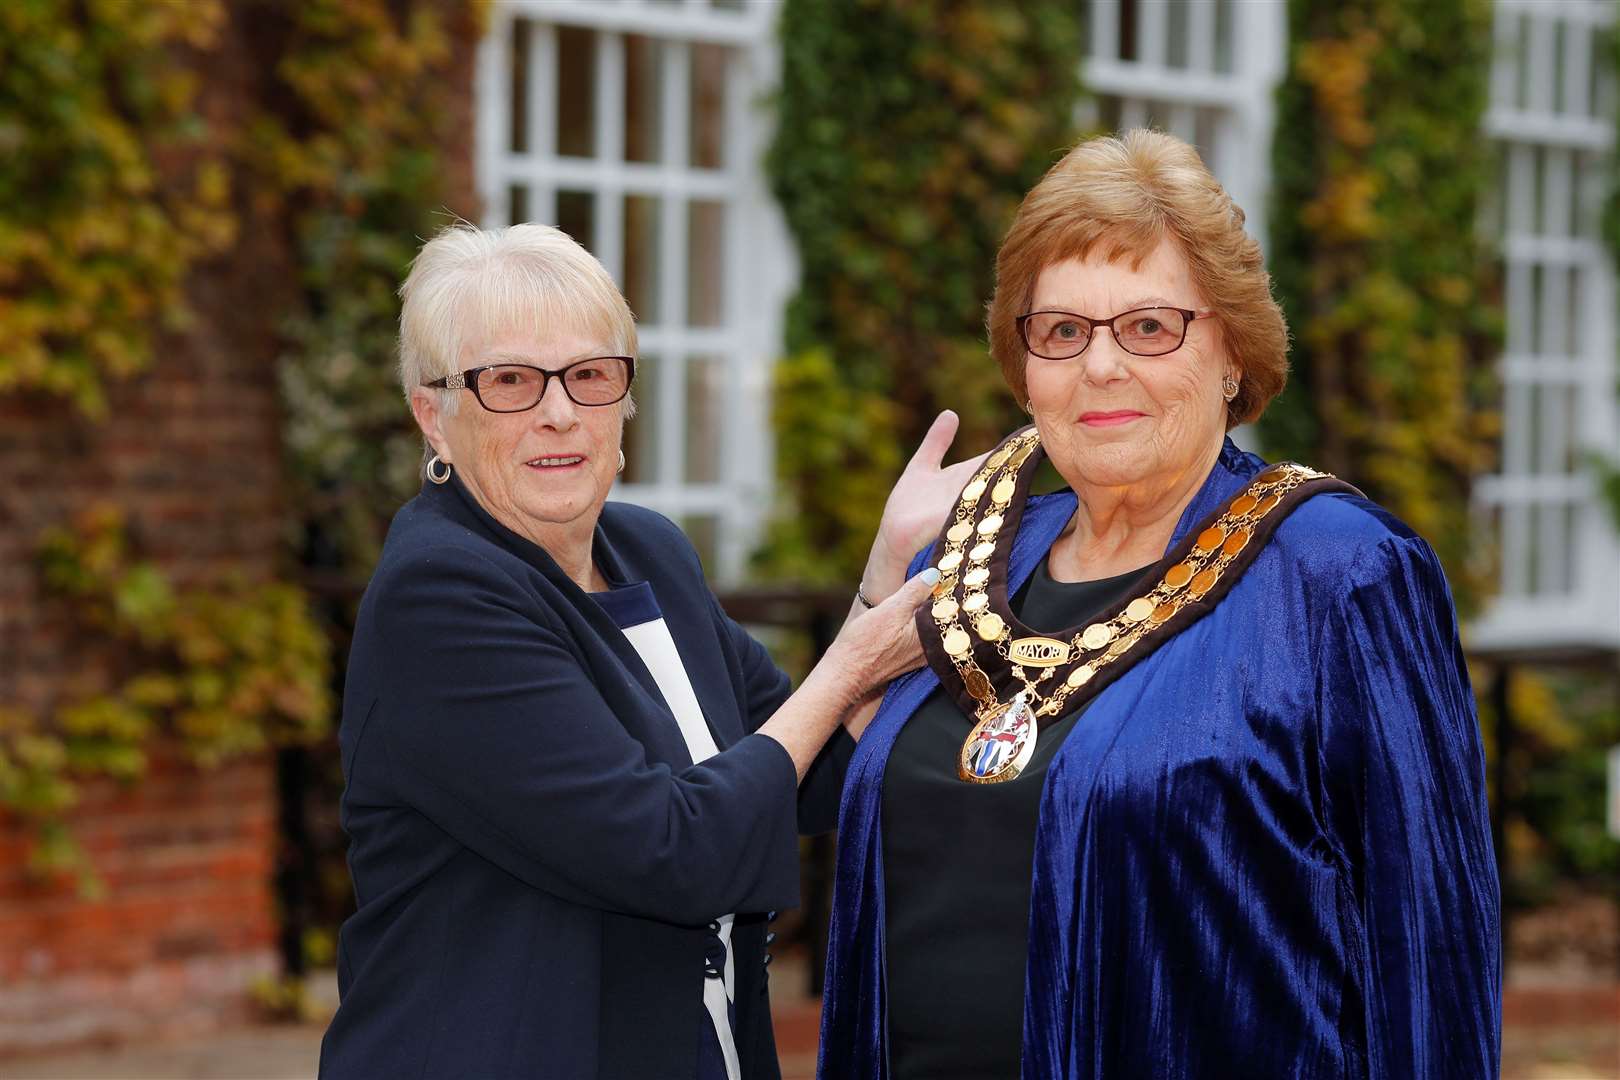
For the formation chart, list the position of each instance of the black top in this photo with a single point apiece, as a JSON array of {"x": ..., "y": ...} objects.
[
  {"x": 536, "y": 858},
  {"x": 956, "y": 865}
]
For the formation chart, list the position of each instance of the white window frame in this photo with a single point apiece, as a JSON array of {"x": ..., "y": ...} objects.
[
  {"x": 1153, "y": 91},
  {"x": 1563, "y": 131},
  {"x": 759, "y": 266}
]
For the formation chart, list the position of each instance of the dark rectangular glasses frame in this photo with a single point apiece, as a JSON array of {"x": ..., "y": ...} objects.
[{"x": 468, "y": 380}]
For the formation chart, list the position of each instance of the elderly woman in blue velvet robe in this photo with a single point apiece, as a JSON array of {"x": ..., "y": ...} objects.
[{"x": 1254, "y": 843}]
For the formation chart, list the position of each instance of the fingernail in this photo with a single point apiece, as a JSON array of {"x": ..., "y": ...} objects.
[{"x": 930, "y": 576}]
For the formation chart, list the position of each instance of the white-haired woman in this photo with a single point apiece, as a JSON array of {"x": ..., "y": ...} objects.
[{"x": 574, "y": 785}]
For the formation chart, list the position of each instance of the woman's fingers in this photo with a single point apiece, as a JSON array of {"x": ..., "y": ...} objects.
[
  {"x": 941, "y": 433},
  {"x": 913, "y": 592},
  {"x": 899, "y": 650}
]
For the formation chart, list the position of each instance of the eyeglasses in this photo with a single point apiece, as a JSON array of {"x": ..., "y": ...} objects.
[
  {"x": 1151, "y": 331},
  {"x": 509, "y": 388}
]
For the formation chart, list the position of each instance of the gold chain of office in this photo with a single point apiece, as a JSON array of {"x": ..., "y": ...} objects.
[{"x": 1051, "y": 669}]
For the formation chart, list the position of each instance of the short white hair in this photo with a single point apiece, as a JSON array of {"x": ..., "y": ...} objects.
[{"x": 468, "y": 285}]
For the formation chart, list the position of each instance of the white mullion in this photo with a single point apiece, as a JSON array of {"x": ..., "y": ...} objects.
[
  {"x": 1127, "y": 79},
  {"x": 1104, "y": 44},
  {"x": 1516, "y": 430},
  {"x": 1201, "y": 35},
  {"x": 1583, "y": 11},
  {"x": 1152, "y": 31},
  {"x": 639, "y": 178},
  {"x": 542, "y": 100},
  {"x": 1553, "y": 429},
  {"x": 609, "y": 240},
  {"x": 542, "y": 202},
  {"x": 1514, "y": 551},
  {"x": 542, "y": 104},
  {"x": 1530, "y": 489},
  {"x": 660, "y": 20},
  {"x": 741, "y": 304},
  {"x": 1549, "y": 549},
  {"x": 1550, "y": 371},
  {"x": 671, "y": 472},
  {"x": 610, "y": 98},
  {"x": 494, "y": 95},
  {"x": 658, "y": 337},
  {"x": 672, "y": 387}
]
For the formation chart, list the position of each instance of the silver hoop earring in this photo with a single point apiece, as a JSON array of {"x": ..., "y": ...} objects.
[
  {"x": 621, "y": 461},
  {"x": 1229, "y": 387},
  {"x": 433, "y": 465}
]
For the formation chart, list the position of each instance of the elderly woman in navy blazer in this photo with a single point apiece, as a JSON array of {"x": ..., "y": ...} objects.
[{"x": 574, "y": 785}]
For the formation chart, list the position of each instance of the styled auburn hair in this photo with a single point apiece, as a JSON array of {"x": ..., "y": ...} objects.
[{"x": 1124, "y": 194}]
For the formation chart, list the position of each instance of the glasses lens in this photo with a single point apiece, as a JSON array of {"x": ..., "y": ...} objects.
[
  {"x": 510, "y": 387},
  {"x": 1056, "y": 335},
  {"x": 600, "y": 381},
  {"x": 1151, "y": 331}
]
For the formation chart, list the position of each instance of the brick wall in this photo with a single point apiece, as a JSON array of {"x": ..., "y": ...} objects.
[
  {"x": 185, "y": 927},
  {"x": 191, "y": 450}
]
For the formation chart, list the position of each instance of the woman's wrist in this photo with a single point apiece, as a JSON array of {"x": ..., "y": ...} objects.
[
  {"x": 843, "y": 674},
  {"x": 884, "y": 573}
]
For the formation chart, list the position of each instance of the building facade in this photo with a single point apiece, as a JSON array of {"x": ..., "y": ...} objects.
[{"x": 639, "y": 126}]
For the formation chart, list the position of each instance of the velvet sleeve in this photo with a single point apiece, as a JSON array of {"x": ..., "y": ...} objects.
[
  {"x": 495, "y": 731},
  {"x": 765, "y": 688},
  {"x": 1404, "y": 795}
]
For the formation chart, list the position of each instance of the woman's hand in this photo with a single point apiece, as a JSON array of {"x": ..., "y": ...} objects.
[
  {"x": 879, "y": 645},
  {"x": 917, "y": 507},
  {"x": 872, "y": 648}
]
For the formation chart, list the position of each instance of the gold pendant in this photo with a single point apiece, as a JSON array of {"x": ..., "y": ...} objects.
[{"x": 1000, "y": 745}]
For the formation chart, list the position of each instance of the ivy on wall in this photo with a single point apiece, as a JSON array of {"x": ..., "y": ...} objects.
[
  {"x": 109, "y": 192},
  {"x": 907, "y": 134},
  {"x": 114, "y": 187},
  {"x": 356, "y": 152},
  {"x": 219, "y": 671},
  {"x": 1378, "y": 174}
]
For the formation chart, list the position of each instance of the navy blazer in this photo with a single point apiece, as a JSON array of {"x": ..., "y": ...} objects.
[{"x": 535, "y": 857}]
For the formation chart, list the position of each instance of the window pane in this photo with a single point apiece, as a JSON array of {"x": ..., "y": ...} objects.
[
  {"x": 641, "y": 430},
  {"x": 517, "y": 204},
  {"x": 708, "y": 87},
  {"x": 705, "y": 408},
  {"x": 705, "y": 236},
  {"x": 576, "y": 91},
  {"x": 643, "y": 89},
  {"x": 576, "y": 215},
  {"x": 521, "y": 37},
  {"x": 641, "y": 213}
]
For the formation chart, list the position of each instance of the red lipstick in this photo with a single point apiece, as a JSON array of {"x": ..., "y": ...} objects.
[{"x": 1110, "y": 419}]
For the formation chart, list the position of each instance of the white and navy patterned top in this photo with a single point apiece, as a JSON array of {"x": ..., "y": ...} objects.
[{"x": 635, "y": 610}]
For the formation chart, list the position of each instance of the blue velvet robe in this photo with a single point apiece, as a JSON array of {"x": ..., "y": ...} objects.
[{"x": 1263, "y": 852}]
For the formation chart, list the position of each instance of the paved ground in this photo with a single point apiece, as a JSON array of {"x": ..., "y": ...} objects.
[{"x": 1550, "y": 1034}]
